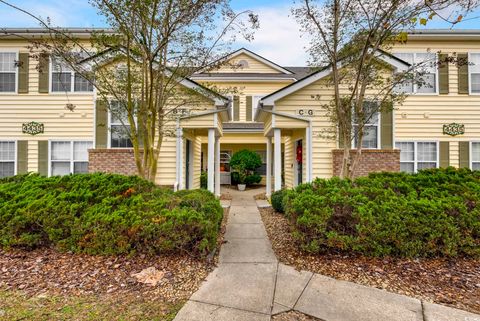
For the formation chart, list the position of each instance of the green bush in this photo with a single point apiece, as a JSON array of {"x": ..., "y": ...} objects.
[
  {"x": 244, "y": 163},
  {"x": 277, "y": 200},
  {"x": 433, "y": 213},
  {"x": 106, "y": 214},
  {"x": 204, "y": 180}
]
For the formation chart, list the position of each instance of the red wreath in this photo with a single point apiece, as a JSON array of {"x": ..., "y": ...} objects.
[{"x": 299, "y": 153}]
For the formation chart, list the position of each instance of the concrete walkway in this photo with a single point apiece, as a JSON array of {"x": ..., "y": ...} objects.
[{"x": 250, "y": 285}]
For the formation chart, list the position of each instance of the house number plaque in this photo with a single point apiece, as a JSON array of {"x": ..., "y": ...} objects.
[
  {"x": 33, "y": 128},
  {"x": 454, "y": 129}
]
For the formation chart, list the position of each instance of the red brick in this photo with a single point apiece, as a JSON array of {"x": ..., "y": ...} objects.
[{"x": 372, "y": 160}]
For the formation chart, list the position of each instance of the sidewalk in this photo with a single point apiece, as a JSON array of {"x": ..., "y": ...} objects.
[{"x": 250, "y": 285}]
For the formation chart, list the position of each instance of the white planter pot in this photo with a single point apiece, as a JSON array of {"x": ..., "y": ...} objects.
[{"x": 241, "y": 187}]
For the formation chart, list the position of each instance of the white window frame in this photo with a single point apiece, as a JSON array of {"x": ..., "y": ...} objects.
[
  {"x": 16, "y": 52},
  {"x": 72, "y": 82},
  {"x": 379, "y": 129},
  {"x": 470, "y": 145},
  {"x": 470, "y": 75},
  {"x": 15, "y": 161},
  {"x": 415, "y": 152},
  {"x": 255, "y": 104},
  {"x": 71, "y": 160},
  {"x": 415, "y": 85},
  {"x": 109, "y": 144}
]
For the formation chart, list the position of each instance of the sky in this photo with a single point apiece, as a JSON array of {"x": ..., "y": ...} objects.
[{"x": 278, "y": 38}]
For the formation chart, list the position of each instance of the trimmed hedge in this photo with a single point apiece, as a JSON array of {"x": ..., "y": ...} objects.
[
  {"x": 106, "y": 214},
  {"x": 433, "y": 213},
  {"x": 277, "y": 200}
]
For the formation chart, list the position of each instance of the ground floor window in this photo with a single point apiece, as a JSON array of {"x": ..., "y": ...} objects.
[
  {"x": 415, "y": 156},
  {"x": 69, "y": 157},
  {"x": 7, "y": 159},
  {"x": 475, "y": 156},
  {"x": 262, "y": 170}
]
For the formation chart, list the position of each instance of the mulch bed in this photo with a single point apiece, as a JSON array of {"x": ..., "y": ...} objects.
[
  {"x": 454, "y": 282},
  {"x": 293, "y": 316},
  {"x": 47, "y": 272}
]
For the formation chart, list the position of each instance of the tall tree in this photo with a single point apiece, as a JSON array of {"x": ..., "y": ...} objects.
[
  {"x": 137, "y": 63},
  {"x": 349, "y": 36}
]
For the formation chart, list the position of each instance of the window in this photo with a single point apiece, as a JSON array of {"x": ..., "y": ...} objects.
[
  {"x": 65, "y": 79},
  {"x": 415, "y": 156},
  {"x": 7, "y": 159},
  {"x": 119, "y": 127},
  {"x": 68, "y": 157},
  {"x": 370, "y": 126},
  {"x": 225, "y": 161},
  {"x": 262, "y": 170},
  {"x": 255, "y": 100},
  {"x": 475, "y": 156},
  {"x": 8, "y": 72},
  {"x": 474, "y": 70},
  {"x": 425, "y": 78}
]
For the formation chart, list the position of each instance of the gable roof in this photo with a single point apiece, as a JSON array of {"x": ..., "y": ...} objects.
[
  {"x": 322, "y": 73},
  {"x": 253, "y": 56}
]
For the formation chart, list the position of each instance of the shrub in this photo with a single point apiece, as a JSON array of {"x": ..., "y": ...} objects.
[
  {"x": 244, "y": 163},
  {"x": 106, "y": 214},
  {"x": 277, "y": 200},
  {"x": 204, "y": 180},
  {"x": 433, "y": 213}
]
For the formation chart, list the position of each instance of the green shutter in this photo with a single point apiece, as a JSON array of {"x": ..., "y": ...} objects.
[
  {"x": 462, "y": 64},
  {"x": 386, "y": 131},
  {"x": 43, "y": 73},
  {"x": 22, "y": 157},
  {"x": 249, "y": 108},
  {"x": 236, "y": 108},
  {"x": 101, "y": 124},
  {"x": 43, "y": 157},
  {"x": 464, "y": 154},
  {"x": 443, "y": 73},
  {"x": 23, "y": 59},
  {"x": 444, "y": 154}
]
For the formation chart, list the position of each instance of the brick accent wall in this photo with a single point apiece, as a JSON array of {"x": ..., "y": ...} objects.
[
  {"x": 118, "y": 161},
  {"x": 372, "y": 160}
]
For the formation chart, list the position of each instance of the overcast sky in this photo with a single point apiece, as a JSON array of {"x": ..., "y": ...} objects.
[{"x": 278, "y": 38}]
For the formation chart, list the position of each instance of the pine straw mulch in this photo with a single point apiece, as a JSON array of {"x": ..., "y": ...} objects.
[
  {"x": 454, "y": 282},
  {"x": 293, "y": 316},
  {"x": 50, "y": 273}
]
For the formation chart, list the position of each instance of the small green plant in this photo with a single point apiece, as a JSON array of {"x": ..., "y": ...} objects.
[
  {"x": 277, "y": 200},
  {"x": 244, "y": 163},
  {"x": 204, "y": 180}
]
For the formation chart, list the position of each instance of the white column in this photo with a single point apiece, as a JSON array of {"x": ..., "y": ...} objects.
[
  {"x": 277, "y": 137},
  {"x": 308, "y": 142},
  {"x": 211, "y": 160},
  {"x": 179, "y": 158},
  {"x": 269, "y": 167},
  {"x": 217, "y": 166}
]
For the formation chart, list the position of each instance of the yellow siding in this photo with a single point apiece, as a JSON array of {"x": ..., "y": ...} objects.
[
  {"x": 321, "y": 125},
  {"x": 167, "y": 162},
  {"x": 244, "y": 89},
  {"x": 197, "y": 154},
  {"x": 422, "y": 117},
  {"x": 254, "y": 66},
  {"x": 289, "y": 158}
]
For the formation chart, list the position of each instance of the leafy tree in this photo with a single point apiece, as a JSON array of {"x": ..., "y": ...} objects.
[
  {"x": 348, "y": 36},
  {"x": 150, "y": 46}
]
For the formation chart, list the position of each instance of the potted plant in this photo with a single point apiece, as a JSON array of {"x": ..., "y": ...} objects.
[{"x": 244, "y": 163}]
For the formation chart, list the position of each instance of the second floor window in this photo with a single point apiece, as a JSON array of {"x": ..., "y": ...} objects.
[
  {"x": 65, "y": 79},
  {"x": 8, "y": 72},
  {"x": 425, "y": 78},
  {"x": 474, "y": 70}
]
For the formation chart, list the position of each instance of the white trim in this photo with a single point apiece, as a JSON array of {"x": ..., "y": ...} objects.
[
  {"x": 470, "y": 152},
  {"x": 470, "y": 75},
  {"x": 277, "y": 155},
  {"x": 254, "y": 56},
  {"x": 295, "y": 162},
  {"x": 249, "y": 79},
  {"x": 415, "y": 151},
  {"x": 211, "y": 160},
  {"x": 17, "y": 55},
  {"x": 15, "y": 157},
  {"x": 71, "y": 160},
  {"x": 310, "y": 152},
  {"x": 72, "y": 82}
]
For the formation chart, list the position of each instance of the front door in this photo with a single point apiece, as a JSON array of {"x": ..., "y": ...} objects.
[{"x": 298, "y": 162}]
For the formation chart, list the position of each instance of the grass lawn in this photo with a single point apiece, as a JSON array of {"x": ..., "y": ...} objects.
[{"x": 14, "y": 305}]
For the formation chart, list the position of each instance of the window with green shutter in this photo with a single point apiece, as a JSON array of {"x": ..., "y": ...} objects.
[
  {"x": 464, "y": 154},
  {"x": 249, "y": 108},
  {"x": 101, "y": 124},
  {"x": 236, "y": 108},
  {"x": 444, "y": 154},
  {"x": 43, "y": 73},
  {"x": 22, "y": 157},
  {"x": 443, "y": 77},
  {"x": 23, "y": 67},
  {"x": 462, "y": 65}
]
